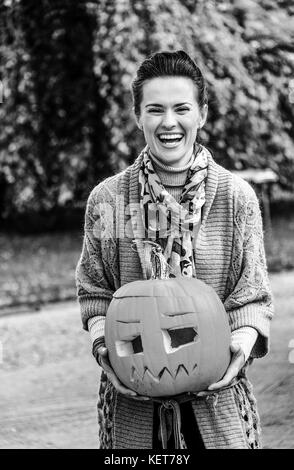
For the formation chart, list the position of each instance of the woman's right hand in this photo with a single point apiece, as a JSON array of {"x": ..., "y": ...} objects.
[{"x": 103, "y": 361}]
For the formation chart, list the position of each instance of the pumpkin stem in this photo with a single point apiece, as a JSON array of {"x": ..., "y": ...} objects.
[{"x": 160, "y": 269}]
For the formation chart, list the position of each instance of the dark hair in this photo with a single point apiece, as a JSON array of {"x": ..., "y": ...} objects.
[{"x": 166, "y": 64}]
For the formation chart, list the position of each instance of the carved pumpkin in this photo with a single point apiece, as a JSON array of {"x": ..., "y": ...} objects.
[{"x": 167, "y": 336}]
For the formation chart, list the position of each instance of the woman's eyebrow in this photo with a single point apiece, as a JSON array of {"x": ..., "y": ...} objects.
[
  {"x": 161, "y": 105},
  {"x": 154, "y": 104},
  {"x": 183, "y": 104}
]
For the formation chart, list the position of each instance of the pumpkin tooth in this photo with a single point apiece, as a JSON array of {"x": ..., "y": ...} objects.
[
  {"x": 181, "y": 367},
  {"x": 139, "y": 370},
  {"x": 148, "y": 372},
  {"x": 159, "y": 376},
  {"x": 165, "y": 369},
  {"x": 133, "y": 370}
]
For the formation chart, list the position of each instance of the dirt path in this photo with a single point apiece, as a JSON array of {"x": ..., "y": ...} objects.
[
  {"x": 48, "y": 379},
  {"x": 273, "y": 376}
]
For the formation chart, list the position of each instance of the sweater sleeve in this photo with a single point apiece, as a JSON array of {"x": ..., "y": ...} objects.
[
  {"x": 96, "y": 327},
  {"x": 250, "y": 300},
  {"x": 244, "y": 337},
  {"x": 95, "y": 281}
]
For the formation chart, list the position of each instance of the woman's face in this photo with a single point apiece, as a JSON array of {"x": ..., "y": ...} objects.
[{"x": 169, "y": 118}]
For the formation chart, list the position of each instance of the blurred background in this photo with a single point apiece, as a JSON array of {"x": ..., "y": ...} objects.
[{"x": 67, "y": 123}]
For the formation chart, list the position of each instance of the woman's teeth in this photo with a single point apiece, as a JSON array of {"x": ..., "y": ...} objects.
[{"x": 170, "y": 138}]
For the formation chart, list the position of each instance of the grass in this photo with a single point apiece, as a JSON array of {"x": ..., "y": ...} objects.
[
  {"x": 280, "y": 244},
  {"x": 38, "y": 269}
]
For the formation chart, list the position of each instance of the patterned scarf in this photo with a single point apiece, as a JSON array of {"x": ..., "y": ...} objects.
[{"x": 168, "y": 223}]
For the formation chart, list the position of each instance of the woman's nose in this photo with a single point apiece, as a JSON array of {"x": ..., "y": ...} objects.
[{"x": 169, "y": 120}]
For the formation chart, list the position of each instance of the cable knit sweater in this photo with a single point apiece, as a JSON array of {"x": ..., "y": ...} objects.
[{"x": 229, "y": 256}]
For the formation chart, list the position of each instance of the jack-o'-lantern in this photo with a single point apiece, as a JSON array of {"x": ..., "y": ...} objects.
[{"x": 166, "y": 337}]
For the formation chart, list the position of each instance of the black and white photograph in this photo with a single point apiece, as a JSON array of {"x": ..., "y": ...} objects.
[{"x": 146, "y": 227}]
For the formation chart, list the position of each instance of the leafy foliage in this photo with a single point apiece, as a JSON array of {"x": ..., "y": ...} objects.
[
  {"x": 66, "y": 117},
  {"x": 246, "y": 51},
  {"x": 51, "y": 148}
]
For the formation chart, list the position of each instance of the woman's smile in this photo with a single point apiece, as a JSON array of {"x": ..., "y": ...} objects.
[{"x": 170, "y": 140}]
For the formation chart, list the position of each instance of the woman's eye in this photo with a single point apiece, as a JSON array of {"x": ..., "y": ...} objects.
[
  {"x": 182, "y": 110},
  {"x": 155, "y": 110}
]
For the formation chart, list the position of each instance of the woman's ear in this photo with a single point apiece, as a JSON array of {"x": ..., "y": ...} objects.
[
  {"x": 138, "y": 121},
  {"x": 203, "y": 116}
]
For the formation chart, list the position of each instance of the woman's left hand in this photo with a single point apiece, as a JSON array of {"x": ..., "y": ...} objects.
[{"x": 237, "y": 362}]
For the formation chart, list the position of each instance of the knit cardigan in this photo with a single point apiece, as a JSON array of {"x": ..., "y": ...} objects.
[{"x": 229, "y": 256}]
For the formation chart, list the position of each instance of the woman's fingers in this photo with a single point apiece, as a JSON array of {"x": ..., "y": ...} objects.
[
  {"x": 105, "y": 363},
  {"x": 119, "y": 386},
  {"x": 103, "y": 352},
  {"x": 113, "y": 378},
  {"x": 236, "y": 363}
]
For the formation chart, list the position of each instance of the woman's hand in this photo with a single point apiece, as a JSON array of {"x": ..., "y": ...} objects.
[
  {"x": 103, "y": 361},
  {"x": 237, "y": 362}
]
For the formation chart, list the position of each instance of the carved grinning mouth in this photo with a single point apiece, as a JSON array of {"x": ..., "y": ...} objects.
[{"x": 157, "y": 378}]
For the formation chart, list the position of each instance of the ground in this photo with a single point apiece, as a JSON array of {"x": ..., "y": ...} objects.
[{"x": 49, "y": 379}]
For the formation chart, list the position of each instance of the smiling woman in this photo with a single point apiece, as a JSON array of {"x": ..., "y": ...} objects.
[{"x": 177, "y": 214}]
